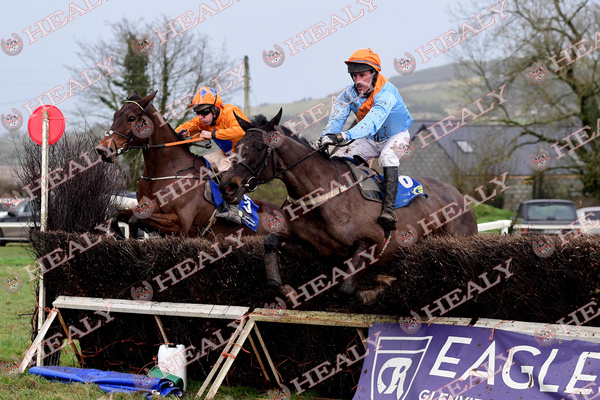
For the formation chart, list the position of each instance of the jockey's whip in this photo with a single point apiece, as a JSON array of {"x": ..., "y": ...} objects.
[{"x": 386, "y": 242}]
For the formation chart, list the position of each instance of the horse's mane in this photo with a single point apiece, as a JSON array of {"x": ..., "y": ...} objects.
[{"x": 260, "y": 121}]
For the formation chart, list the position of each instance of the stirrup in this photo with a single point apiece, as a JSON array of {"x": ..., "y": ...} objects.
[{"x": 388, "y": 220}]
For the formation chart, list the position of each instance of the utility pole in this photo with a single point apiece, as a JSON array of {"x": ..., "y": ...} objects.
[{"x": 246, "y": 87}]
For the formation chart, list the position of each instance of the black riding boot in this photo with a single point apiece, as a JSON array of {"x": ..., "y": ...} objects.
[
  {"x": 231, "y": 212},
  {"x": 388, "y": 218}
]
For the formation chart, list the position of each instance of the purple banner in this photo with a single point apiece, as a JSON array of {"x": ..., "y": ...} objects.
[{"x": 445, "y": 362}]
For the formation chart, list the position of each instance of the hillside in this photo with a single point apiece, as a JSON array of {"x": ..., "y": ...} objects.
[{"x": 427, "y": 94}]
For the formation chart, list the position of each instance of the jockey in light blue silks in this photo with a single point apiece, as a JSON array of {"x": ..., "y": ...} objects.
[{"x": 382, "y": 128}]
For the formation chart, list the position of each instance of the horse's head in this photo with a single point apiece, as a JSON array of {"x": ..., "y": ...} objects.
[
  {"x": 130, "y": 127},
  {"x": 256, "y": 158}
]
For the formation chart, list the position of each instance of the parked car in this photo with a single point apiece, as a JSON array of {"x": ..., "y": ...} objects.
[
  {"x": 15, "y": 216},
  {"x": 593, "y": 214},
  {"x": 548, "y": 215},
  {"x": 15, "y": 220}
]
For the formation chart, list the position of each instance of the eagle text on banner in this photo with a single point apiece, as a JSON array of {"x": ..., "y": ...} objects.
[{"x": 446, "y": 362}]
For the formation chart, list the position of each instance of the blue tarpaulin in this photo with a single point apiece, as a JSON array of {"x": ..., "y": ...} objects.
[{"x": 110, "y": 381}]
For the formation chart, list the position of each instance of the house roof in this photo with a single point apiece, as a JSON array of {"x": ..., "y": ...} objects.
[{"x": 476, "y": 146}]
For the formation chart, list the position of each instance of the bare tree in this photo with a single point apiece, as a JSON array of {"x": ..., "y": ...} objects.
[
  {"x": 174, "y": 68},
  {"x": 81, "y": 196},
  {"x": 543, "y": 50}
]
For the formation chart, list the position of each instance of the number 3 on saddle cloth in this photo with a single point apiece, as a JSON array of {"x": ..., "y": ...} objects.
[
  {"x": 247, "y": 206},
  {"x": 371, "y": 185}
]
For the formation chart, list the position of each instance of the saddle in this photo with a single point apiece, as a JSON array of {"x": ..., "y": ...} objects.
[
  {"x": 247, "y": 206},
  {"x": 371, "y": 186}
]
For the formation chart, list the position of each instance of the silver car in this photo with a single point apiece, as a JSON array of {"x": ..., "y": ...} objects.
[
  {"x": 546, "y": 216},
  {"x": 15, "y": 220}
]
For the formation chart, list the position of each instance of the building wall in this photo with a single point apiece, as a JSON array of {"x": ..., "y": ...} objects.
[
  {"x": 434, "y": 162},
  {"x": 520, "y": 189},
  {"x": 430, "y": 162}
]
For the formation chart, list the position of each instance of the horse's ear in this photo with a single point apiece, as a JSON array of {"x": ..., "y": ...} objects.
[
  {"x": 144, "y": 102},
  {"x": 243, "y": 123},
  {"x": 275, "y": 120}
]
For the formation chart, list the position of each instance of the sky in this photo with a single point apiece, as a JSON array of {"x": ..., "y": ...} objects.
[{"x": 246, "y": 27}]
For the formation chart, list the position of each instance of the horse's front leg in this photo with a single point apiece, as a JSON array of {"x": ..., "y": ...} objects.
[
  {"x": 165, "y": 223},
  {"x": 364, "y": 256},
  {"x": 272, "y": 264},
  {"x": 119, "y": 216},
  {"x": 271, "y": 243}
]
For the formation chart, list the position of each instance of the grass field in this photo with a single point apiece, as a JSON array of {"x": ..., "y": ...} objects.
[
  {"x": 486, "y": 213},
  {"x": 15, "y": 337}
]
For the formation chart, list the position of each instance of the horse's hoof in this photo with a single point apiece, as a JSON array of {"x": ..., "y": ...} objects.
[
  {"x": 369, "y": 297},
  {"x": 288, "y": 292},
  {"x": 274, "y": 283},
  {"x": 348, "y": 287},
  {"x": 385, "y": 279}
]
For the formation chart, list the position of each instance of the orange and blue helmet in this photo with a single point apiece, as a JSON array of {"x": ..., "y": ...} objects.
[
  {"x": 206, "y": 96},
  {"x": 363, "y": 60}
]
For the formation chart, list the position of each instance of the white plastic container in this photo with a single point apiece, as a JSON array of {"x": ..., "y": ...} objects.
[{"x": 171, "y": 357}]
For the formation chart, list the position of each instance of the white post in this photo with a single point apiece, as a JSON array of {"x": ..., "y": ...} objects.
[{"x": 43, "y": 219}]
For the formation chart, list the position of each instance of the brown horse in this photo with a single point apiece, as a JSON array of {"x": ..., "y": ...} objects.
[
  {"x": 341, "y": 225},
  {"x": 173, "y": 177}
]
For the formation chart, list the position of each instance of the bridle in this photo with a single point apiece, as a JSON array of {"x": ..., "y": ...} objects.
[
  {"x": 253, "y": 182},
  {"x": 127, "y": 146}
]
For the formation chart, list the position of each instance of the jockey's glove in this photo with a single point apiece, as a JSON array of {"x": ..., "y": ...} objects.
[{"x": 331, "y": 139}]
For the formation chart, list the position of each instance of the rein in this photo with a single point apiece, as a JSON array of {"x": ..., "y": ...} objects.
[
  {"x": 155, "y": 146},
  {"x": 127, "y": 146},
  {"x": 256, "y": 171}
]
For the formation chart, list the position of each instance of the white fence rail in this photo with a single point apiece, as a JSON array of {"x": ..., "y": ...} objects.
[
  {"x": 504, "y": 224},
  {"x": 9, "y": 225}
]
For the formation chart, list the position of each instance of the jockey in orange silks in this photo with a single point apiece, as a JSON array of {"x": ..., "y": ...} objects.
[{"x": 215, "y": 121}]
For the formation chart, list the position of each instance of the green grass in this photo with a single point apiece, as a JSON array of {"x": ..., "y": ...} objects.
[
  {"x": 487, "y": 213},
  {"x": 33, "y": 387},
  {"x": 272, "y": 192},
  {"x": 15, "y": 338},
  {"x": 17, "y": 307}
]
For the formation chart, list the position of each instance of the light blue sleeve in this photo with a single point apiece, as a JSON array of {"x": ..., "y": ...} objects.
[
  {"x": 370, "y": 124},
  {"x": 339, "y": 113}
]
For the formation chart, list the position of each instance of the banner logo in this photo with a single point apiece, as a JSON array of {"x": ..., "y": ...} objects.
[{"x": 396, "y": 365}]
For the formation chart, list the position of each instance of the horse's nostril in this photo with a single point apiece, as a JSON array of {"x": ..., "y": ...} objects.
[{"x": 232, "y": 188}]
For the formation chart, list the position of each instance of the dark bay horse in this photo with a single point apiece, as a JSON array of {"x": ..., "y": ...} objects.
[
  {"x": 177, "y": 203},
  {"x": 341, "y": 226}
]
